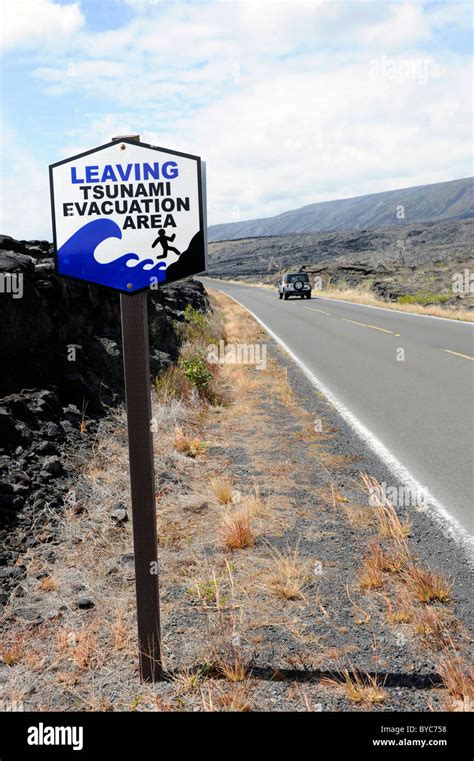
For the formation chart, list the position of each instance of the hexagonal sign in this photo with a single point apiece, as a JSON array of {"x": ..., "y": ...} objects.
[{"x": 128, "y": 216}]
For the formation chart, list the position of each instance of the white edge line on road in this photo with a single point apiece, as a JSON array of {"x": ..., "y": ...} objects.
[{"x": 444, "y": 518}]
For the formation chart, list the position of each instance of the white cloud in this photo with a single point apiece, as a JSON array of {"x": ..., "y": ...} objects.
[
  {"x": 407, "y": 23},
  {"x": 450, "y": 15},
  {"x": 307, "y": 137},
  {"x": 24, "y": 196},
  {"x": 279, "y": 27},
  {"x": 33, "y": 23},
  {"x": 290, "y": 103}
]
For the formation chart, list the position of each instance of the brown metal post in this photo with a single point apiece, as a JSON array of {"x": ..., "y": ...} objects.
[{"x": 136, "y": 361}]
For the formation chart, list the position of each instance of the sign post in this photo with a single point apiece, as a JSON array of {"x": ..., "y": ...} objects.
[
  {"x": 136, "y": 365},
  {"x": 136, "y": 369},
  {"x": 131, "y": 216}
]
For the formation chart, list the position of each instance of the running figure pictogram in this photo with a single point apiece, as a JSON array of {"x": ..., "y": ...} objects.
[{"x": 163, "y": 240}]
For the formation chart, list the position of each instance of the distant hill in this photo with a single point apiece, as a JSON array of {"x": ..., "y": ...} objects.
[
  {"x": 447, "y": 241},
  {"x": 392, "y": 262},
  {"x": 424, "y": 203}
]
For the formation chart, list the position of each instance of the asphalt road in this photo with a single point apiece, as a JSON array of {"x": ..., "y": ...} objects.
[{"x": 419, "y": 409}]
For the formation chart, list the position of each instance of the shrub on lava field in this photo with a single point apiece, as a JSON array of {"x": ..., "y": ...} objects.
[
  {"x": 197, "y": 371},
  {"x": 195, "y": 317},
  {"x": 423, "y": 298},
  {"x": 172, "y": 384},
  {"x": 199, "y": 329}
]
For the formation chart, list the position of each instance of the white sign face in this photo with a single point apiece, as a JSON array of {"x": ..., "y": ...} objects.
[{"x": 128, "y": 216}]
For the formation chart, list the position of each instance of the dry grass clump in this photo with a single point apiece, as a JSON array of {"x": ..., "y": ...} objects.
[
  {"x": 223, "y": 488},
  {"x": 216, "y": 698},
  {"x": 121, "y": 632},
  {"x": 458, "y": 680},
  {"x": 371, "y": 575},
  {"x": 282, "y": 389},
  {"x": 255, "y": 503},
  {"x": 188, "y": 681},
  {"x": 361, "y": 687},
  {"x": 188, "y": 445},
  {"x": 421, "y": 584},
  {"x": 400, "y": 611},
  {"x": 238, "y": 524},
  {"x": 387, "y": 520},
  {"x": 390, "y": 525},
  {"x": 12, "y": 650},
  {"x": 235, "y": 701},
  {"x": 172, "y": 385},
  {"x": 237, "y": 530},
  {"x": 233, "y": 669},
  {"x": 383, "y": 560},
  {"x": 426, "y": 585},
  {"x": 81, "y": 647},
  {"x": 48, "y": 584},
  {"x": 377, "y": 562},
  {"x": 433, "y": 626},
  {"x": 287, "y": 575}
]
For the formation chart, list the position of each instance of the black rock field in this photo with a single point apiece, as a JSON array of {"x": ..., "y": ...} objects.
[
  {"x": 391, "y": 261},
  {"x": 61, "y": 352}
]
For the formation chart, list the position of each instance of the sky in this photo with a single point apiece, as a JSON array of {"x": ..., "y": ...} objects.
[{"x": 289, "y": 103}]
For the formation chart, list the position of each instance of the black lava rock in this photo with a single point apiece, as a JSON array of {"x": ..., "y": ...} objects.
[
  {"x": 52, "y": 465},
  {"x": 85, "y": 603},
  {"x": 62, "y": 370}
]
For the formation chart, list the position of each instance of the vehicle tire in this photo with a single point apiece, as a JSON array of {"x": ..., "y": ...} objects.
[
  {"x": 285, "y": 297},
  {"x": 308, "y": 295},
  {"x": 302, "y": 296}
]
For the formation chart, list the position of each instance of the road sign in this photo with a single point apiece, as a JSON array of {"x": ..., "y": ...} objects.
[{"x": 128, "y": 215}]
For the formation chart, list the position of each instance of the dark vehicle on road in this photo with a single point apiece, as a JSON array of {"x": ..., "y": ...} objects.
[{"x": 294, "y": 284}]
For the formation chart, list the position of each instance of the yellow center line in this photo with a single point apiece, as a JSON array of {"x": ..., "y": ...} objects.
[
  {"x": 458, "y": 354},
  {"x": 313, "y": 309},
  {"x": 374, "y": 327}
]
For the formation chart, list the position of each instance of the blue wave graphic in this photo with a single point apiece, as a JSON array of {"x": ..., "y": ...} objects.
[{"x": 76, "y": 259}]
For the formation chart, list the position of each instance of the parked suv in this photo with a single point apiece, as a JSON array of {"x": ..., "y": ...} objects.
[{"x": 294, "y": 284}]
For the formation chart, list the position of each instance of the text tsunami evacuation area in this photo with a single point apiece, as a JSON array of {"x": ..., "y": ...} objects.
[{"x": 141, "y": 204}]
